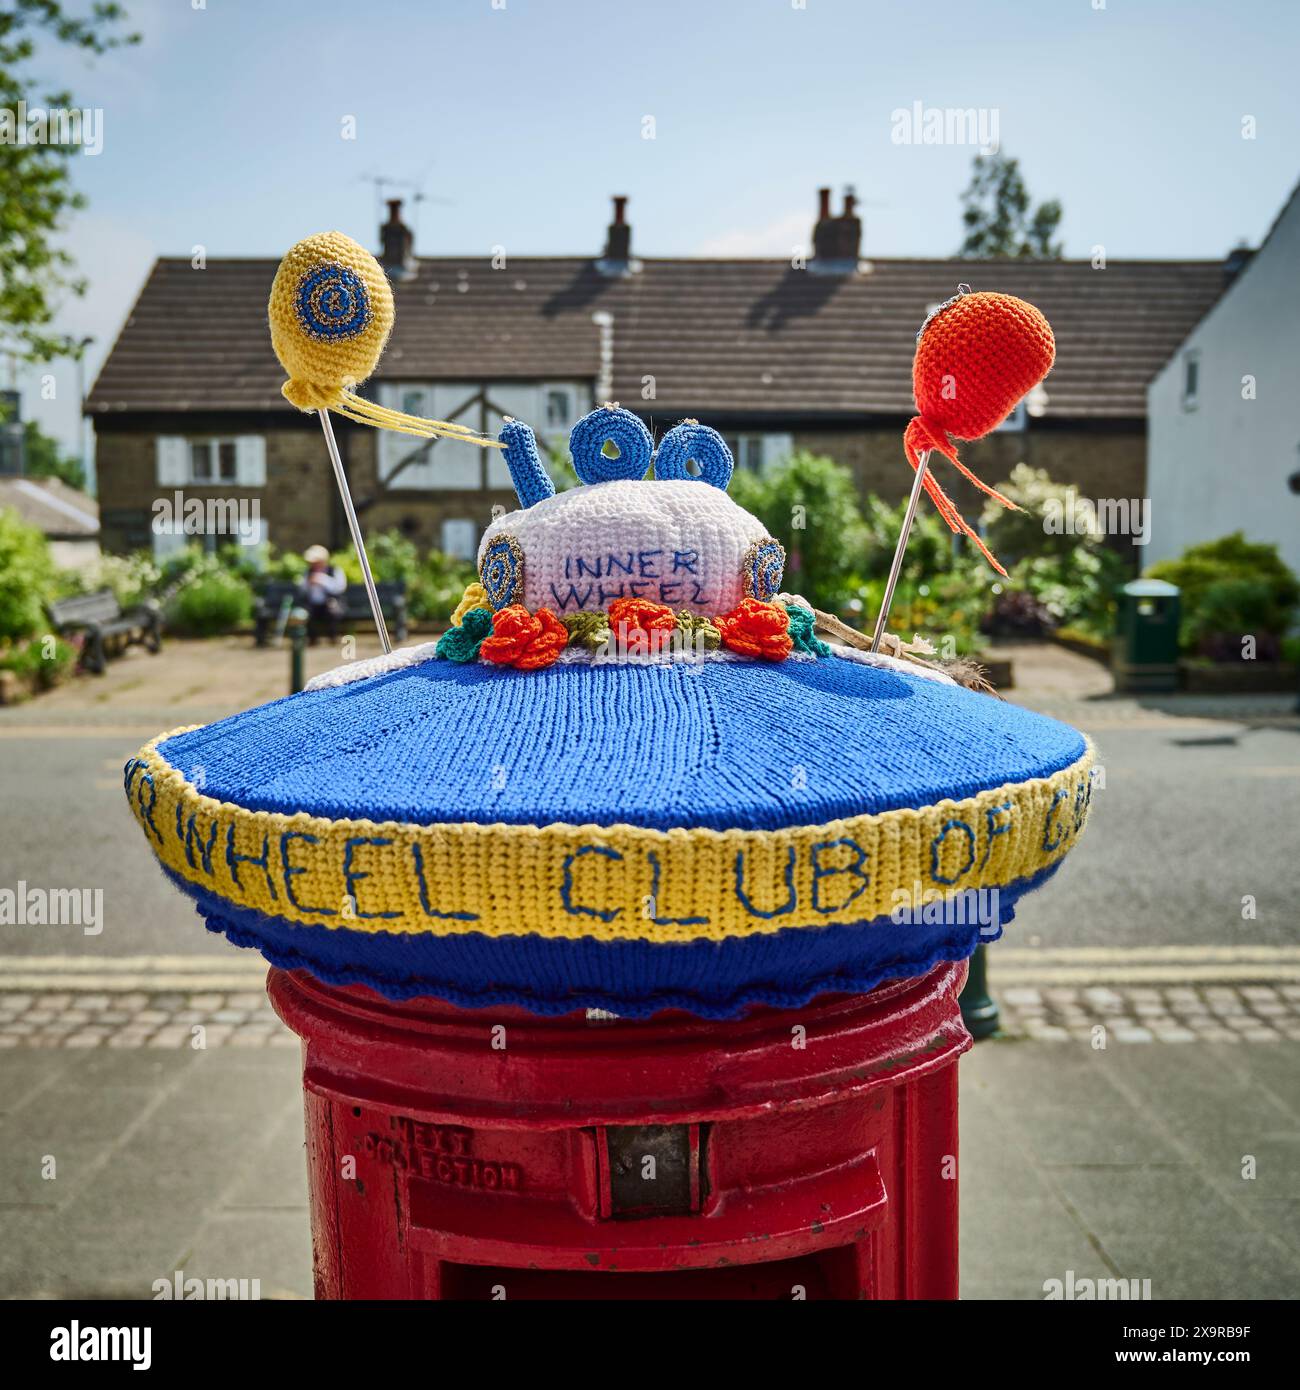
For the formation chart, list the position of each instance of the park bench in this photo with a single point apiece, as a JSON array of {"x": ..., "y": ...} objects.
[
  {"x": 278, "y": 597},
  {"x": 104, "y": 626}
]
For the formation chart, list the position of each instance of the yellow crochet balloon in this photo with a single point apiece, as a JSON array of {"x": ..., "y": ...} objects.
[{"x": 331, "y": 311}]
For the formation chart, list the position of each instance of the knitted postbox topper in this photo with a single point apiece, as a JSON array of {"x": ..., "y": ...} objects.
[{"x": 629, "y": 776}]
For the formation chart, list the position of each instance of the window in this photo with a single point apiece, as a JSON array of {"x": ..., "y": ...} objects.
[
  {"x": 169, "y": 542},
  {"x": 238, "y": 460},
  {"x": 559, "y": 407},
  {"x": 1016, "y": 421},
  {"x": 213, "y": 461},
  {"x": 411, "y": 464},
  {"x": 749, "y": 452},
  {"x": 459, "y": 538},
  {"x": 1191, "y": 379},
  {"x": 758, "y": 452},
  {"x": 127, "y": 529},
  {"x": 172, "y": 539}
]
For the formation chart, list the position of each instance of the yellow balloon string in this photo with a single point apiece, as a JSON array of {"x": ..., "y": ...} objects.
[{"x": 365, "y": 412}]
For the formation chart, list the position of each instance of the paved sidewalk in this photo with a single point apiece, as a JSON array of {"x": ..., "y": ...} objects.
[
  {"x": 195, "y": 682},
  {"x": 1180, "y": 1165},
  {"x": 188, "y": 682},
  {"x": 1056, "y": 681}
]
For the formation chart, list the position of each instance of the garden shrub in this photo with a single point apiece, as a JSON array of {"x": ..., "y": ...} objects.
[
  {"x": 393, "y": 559},
  {"x": 132, "y": 578},
  {"x": 46, "y": 660},
  {"x": 1232, "y": 588},
  {"x": 211, "y": 601},
  {"x": 27, "y": 577},
  {"x": 810, "y": 504},
  {"x": 438, "y": 587}
]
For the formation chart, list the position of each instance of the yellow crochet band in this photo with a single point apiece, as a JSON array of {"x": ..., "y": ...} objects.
[{"x": 614, "y": 883}]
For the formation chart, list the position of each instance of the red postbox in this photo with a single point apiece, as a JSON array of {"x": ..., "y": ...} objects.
[{"x": 463, "y": 1154}]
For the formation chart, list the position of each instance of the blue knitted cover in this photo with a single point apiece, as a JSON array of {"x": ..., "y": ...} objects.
[{"x": 818, "y": 751}]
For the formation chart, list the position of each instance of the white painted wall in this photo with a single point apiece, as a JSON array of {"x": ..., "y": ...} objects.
[
  {"x": 81, "y": 556},
  {"x": 1223, "y": 464},
  {"x": 459, "y": 466}
]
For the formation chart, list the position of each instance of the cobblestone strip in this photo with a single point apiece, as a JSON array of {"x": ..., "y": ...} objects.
[
  {"x": 75, "y": 1019},
  {"x": 1145, "y": 1014},
  {"x": 1129, "y": 1014}
]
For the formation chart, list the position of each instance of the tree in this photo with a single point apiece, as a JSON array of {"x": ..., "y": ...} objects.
[
  {"x": 810, "y": 504},
  {"x": 36, "y": 193},
  {"x": 997, "y": 214},
  {"x": 43, "y": 458}
]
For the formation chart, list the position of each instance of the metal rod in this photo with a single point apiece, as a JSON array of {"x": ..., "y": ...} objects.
[
  {"x": 355, "y": 527},
  {"x": 918, "y": 482}
]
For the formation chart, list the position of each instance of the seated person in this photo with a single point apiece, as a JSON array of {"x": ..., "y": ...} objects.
[{"x": 320, "y": 592}]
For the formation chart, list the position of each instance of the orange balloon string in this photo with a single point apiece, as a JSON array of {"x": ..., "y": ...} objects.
[{"x": 921, "y": 435}]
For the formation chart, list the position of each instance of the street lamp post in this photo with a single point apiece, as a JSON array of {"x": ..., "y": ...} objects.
[{"x": 89, "y": 482}]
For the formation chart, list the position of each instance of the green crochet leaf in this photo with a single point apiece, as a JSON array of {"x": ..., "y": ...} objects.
[
  {"x": 802, "y": 622},
  {"x": 700, "y": 631},
  {"x": 462, "y": 643},
  {"x": 587, "y": 629}
]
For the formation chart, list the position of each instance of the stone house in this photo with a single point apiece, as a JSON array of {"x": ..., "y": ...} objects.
[{"x": 777, "y": 355}]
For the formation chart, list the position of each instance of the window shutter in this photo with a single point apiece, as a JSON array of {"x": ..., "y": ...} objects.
[
  {"x": 173, "y": 455},
  {"x": 460, "y": 538},
  {"x": 250, "y": 460},
  {"x": 777, "y": 448}
]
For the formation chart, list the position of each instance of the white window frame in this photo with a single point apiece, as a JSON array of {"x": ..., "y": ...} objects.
[{"x": 214, "y": 448}]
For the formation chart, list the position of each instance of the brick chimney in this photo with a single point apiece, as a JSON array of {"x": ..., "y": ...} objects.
[
  {"x": 837, "y": 241},
  {"x": 617, "y": 258},
  {"x": 397, "y": 254}
]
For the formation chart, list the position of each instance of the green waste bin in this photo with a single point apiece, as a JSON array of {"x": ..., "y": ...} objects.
[{"x": 1146, "y": 636}]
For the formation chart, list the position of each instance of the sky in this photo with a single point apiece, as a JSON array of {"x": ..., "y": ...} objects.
[{"x": 240, "y": 126}]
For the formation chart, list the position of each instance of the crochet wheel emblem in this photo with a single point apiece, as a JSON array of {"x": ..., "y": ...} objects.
[
  {"x": 690, "y": 442},
  {"x": 502, "y": 572},
  {"x": 762, "y": 570},
  {"x": 332, "y": 303},
  {"x": 610, "y": 426}
]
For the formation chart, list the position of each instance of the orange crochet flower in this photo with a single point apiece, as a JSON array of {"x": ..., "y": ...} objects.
[
  {"x": 527, "y": 641},
  {"x": 642, "y": 622},
  {"x": 754, "y": 628}
]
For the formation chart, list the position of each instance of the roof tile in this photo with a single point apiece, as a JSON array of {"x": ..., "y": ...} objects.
[{"x": 748, "y": 337}]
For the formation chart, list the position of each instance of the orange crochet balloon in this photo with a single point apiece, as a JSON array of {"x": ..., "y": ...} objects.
[{"x": 976, "y": 357}]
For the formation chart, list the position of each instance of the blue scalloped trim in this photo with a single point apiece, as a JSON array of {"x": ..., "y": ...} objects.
[{"x": 783, "y": 969}]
